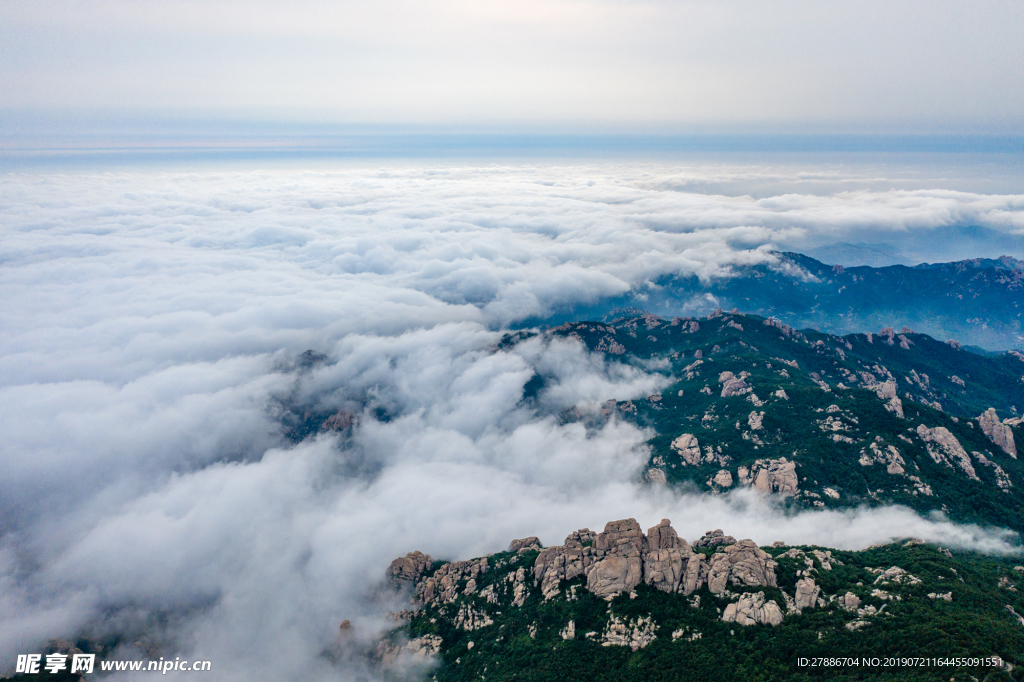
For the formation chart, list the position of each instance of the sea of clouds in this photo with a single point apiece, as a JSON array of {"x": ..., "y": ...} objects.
[{"x": 149, "y": 329}]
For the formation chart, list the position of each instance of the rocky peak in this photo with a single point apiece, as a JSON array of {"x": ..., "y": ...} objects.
[
  {"x": 409, "y": 568},
  {"x": 999, "y": 433},
  {"x": 622, "y": 538},
  {"x": 734, "y": 385},
  {"x": 714, "y": 538},
  {"x": 663, "y": 536},
  {"x": 580, "y": 538},
  {"x": 743, "y": 564},
  {"x": 524, "y": 544},
  {"x": 944, "y": 448}
]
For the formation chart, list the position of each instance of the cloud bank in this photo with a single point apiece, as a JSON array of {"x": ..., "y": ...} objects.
[{"x": 149, "y": 331}]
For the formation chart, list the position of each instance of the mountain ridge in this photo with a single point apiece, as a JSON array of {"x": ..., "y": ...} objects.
[{"x": 978, "y": 301}]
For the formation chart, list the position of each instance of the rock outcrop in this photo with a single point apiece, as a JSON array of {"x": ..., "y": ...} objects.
[
  {"x": 742, "y": 564},
  {"x": 614, "y": 575},
  {"x": 944, "y": 448},
  {"x": 688, "y": 448},
  {"x": 999, "y": 433},
  {"x": 524, "y": 544},
  {"x": 888, "y": 455},
  {"x": 772, "y": 476},
  {"x": 714, "y": 538},
  {"x": 666, "y": 558},
  {"x": 887, "y": 391},
  {"x": 806, "y": 596},
  {"x": 696, "y": 574},
  {"x": 636, "y": 634},
  {"x": 622, "y": 545},
  {"x": 734, "y": 385},
  {"x": 409, "y": 568},
  {"x": 416, "y": 651},
  {"x": 753, "y": 609},
  {"x": 723, "y": 478},
  {"x": 564, "y": 562},
  {"x": 443, "y": 586}
]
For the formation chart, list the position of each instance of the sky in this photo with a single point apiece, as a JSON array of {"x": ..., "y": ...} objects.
[{"x": 665, "y": 65}]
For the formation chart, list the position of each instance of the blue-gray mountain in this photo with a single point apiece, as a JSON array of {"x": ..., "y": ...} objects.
[{"x": 978, "y": 302}]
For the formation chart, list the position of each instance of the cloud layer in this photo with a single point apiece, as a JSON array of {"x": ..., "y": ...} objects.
[{"x": 149, "y": 328}]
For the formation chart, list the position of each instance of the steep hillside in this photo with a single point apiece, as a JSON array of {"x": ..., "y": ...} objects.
[
  {"x": 828, "y": 421},
  {"x": 621, "y": 605}
]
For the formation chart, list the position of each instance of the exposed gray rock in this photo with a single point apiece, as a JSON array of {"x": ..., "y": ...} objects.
[
  {"x": 696, "y": 574},
  {"x": 889, "y": 456},
  {"x": 416, "y": 651},
  {"x": 409, "y": 568},
  {"x": 470, "y": 619},
  {"x": 734, "y": 385},
  {"x": 688, "y": 448},
  {"x": 807, "y": 592},
  {"x": 532, "y": 542},
  {"x": 636, "y": 633},
  {"x": 442, "y": 587},
  {"x": 999, "y": 433},
  {"x": 1002, "y": 478},
  {"x": 614, "y": 575},
  {"x": 339, "y": 421},
  {"x": 666, "y": 557},
  {"x": 664, "y": 536},
  {"x": 714, "y": 538},
  {"x": 657, "y": 476},
  {"x": 622, "y": 544},
  {"x": 753, "y": 609},
  {"x": 944, "y": 448},
  {"x": 742, "y": 564},
  {"x": 775, "y": 476},
  {"x": 622, "y": 538},
  {"x": 887, "y": 391},
  {"x": 519, "y": 589},
  {"x": 849, "y": 601},
  {"x": 723, "y": 478},
  {"x": 564, "y": 562}
]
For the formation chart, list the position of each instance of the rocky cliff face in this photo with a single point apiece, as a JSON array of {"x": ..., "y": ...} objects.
[
  {"x": 627, "y": 590},
  {"x": 613, "y": 561},
  {"x": 999, "y": 433}
]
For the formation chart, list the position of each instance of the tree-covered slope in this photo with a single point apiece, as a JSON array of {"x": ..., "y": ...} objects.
[
  {"x": 903, "y": 611},
  {"x": 828, "y": 421}
]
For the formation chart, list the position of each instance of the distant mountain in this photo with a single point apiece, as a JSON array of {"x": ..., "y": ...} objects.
[
  {"x": 979, "y": 302},
  {"x": 826, "y": 421},
  {"x": 1001, "y": 263},
  {"x": 621, "y": 605},
  {"x": 874, "y": 255}
]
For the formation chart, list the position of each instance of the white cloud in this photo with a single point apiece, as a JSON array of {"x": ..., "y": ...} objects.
[{"x": 148, "y": 327}]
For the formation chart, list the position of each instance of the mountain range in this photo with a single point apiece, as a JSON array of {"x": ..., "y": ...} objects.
[
  {"x": 978, "y": 302},
  {"x": 893, "y": 417}
]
